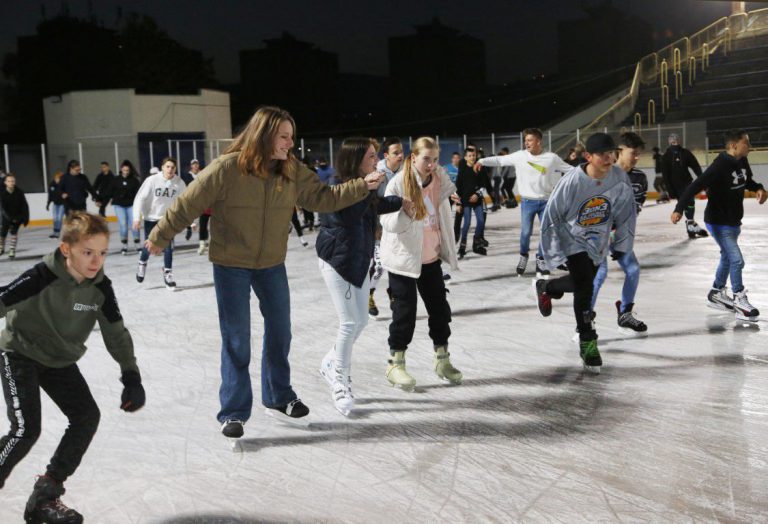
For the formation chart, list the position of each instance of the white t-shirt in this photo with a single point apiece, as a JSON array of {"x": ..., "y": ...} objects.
[{"x": 537, "y": 175}]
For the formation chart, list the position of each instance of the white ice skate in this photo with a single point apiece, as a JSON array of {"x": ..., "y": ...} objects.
[
  {"x": 744, "y": 310},
  {"x": 720, "y": 299}
]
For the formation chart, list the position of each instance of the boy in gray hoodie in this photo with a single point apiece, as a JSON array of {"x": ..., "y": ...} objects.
[
  {"x": 590, "y": 200},
  {"x": 50, "y": 311}
]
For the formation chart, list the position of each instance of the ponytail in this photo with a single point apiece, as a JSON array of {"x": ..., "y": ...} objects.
[{"x": 412, "y": 190}]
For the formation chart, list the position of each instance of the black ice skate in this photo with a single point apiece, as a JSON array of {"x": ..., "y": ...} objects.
[
  {"x": 478, "y": 247},
  {"x": 45, "y": 507},
  {"x": 462, "y": 250},
  {"x": 233, "y": 430},
  {"x": 294, "y": 413},
  {"x": 590, "y": 356},
  {"x": 627, "y": 321},
  {"x": 543, "y": 299},
  {"x": 694, "y": 231}
]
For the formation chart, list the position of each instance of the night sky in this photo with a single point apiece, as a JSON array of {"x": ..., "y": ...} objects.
[{"x": 520, "y": 36}]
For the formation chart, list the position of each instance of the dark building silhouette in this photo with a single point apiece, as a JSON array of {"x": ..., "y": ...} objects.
[
  {"x": 294, "y": 75},
  {"x": 431, "y": 72},
  {"x": 608, "y": 36}
]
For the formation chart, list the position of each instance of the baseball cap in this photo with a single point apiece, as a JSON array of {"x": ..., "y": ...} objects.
[{"x": 600, "y": 143}]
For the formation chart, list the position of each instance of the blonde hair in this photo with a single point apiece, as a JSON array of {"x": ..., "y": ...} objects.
[
  {"x": 255, "y": 143},
  {"x": 57, "y": 176},
  {"x": 79, "y": 224},
  {"x": 411, "y": 186}
]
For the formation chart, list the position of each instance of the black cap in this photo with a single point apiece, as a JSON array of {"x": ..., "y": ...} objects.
[{"x": 600, "y": 143}]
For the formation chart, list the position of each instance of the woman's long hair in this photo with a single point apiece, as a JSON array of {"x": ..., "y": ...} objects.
[
  {"x": 255, "y": 143},
  {"x": 132, "y": 170},
  {"x": 350, "y": 157},
  {"x": 411, "y": 186}
]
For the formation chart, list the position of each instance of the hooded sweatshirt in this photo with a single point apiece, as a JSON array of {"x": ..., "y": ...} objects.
[
  {"x": 155, "y": 196},
  {"x": 581, "y": 213},
  {"x": 49, "y": 315},
  {"x": 537, "y": 175}
]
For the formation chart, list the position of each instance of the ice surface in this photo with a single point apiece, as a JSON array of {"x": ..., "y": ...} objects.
[{"x": 675, "y": 429}]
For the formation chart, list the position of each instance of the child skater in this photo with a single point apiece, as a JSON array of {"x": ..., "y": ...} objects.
[
  {"x": 50, "y": 311},
  {"x": 414, "y": 242},
  {"x": 587, "y": 203},
  {"x": 156, "y": 194},
  {"x": 345, "y": 247},
  {"x": 15, "y": 212}
]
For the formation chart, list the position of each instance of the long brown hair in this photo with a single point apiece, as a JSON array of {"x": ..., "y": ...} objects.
[
  {"x": 351, "y": 155},
  {"x": 255, "y": 143},
  {"x": 411, "y": 186}
]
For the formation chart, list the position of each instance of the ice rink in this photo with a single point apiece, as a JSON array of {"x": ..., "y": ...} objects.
[{"x": 675, "y": 429}]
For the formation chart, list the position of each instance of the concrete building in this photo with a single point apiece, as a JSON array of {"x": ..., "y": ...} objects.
[{"x": 119, "y": 124}]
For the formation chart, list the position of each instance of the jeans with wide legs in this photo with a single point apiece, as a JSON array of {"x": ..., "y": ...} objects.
[
  {"x": 351, "y": 305},
  {"x": 631, "y": 268},
  {"x": 529, "y": 209},
  {"x": 479, "y": 228},
  {"x": 233, "y": 294},
  {"x": 731, "y": 260}
]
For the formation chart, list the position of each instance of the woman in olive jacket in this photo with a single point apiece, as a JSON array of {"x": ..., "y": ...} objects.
[{"x": 252, "y": 189}]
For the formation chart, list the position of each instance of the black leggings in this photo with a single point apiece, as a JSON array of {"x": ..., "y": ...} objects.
[
  {"x": 22, "y": 380},
  {"x": 579, "y": 281},
  {"x": 296, "y": 223},
  {"x": 507, "y": 188},
  {"x": 204, "y": 226},
  {"x": 11, "y": 226},
  {"x": 431, "y": 286}
]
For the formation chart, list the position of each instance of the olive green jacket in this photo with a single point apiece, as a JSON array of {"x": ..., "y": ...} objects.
[{"x": 251, "y": 215}]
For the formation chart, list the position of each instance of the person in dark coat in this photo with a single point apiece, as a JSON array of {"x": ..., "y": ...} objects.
[
  {"x": 54, "y": 197},
  {"x": 102, "y": 186},
  {"x": 15, "y": 211},
  {"x": 676, "y": 166},
  {"x": 75, "y": 188},
  {"x": 123, "y": 192}
]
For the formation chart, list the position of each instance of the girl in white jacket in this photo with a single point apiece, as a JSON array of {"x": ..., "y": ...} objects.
[
  {"x": 414, "y": 242},
  {"x": 156, "y": 194}
]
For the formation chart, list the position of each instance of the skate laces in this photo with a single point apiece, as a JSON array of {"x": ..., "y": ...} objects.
[{"x": 629, "y": 318}]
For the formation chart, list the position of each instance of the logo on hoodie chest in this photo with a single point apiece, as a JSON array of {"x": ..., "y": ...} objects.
[
  {"x": 594, "y": 212},
  {"x": 85, "y": 307},
  {"x": 167, "y": 192}
]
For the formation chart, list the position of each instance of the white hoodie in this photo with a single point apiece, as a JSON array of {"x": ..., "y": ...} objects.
[
  {"x": 537, "y": 175},
  {"x": 402, "y": 236},
  {"x": 156, "y": 195}
]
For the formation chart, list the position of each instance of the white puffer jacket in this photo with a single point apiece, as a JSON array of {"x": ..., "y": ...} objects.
[{"x": 402, "y": 237}]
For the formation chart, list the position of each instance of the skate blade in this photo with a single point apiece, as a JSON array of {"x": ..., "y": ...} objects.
[
  {"x": 235, "y": 445},
  {"x": 575, "y": 338},
  {"x": 718, "y": 307},
  {"x": 453, "y": 382},
  {"x": 744, "y": 318},
  {"x": 409, "y": 389},
  {"x": 595, "y": 370},
  {"x": 285, "y": 419},
  {"x": 345, "y": 412}
]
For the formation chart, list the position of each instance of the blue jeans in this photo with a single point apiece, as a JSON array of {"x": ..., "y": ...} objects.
[
  {"x": 529, "y": 209},
  {"x": 124, "y": 219},
  {"x": 233, "y": 292},
  {"x": 631, "y": 269},
  {"x": 479, "y": 228},
  {"x": 167, "y": 252},
  {"x": 58, "y": 215},
  {"x": 731, "y": 261}
]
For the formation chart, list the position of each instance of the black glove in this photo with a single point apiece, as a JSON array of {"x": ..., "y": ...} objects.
[
  {"x": 48, "y": 206},
  {"x": 133, "y": 397},
  {"x": 616, "y": 255}
]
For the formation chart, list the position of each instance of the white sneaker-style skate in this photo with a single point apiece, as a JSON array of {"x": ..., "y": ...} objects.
[
  {"x": 720, "y": 299},
  {"x": 744, "y": 310}
]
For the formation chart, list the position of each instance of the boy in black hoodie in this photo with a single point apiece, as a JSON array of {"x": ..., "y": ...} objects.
[
  {"x": 725, "y": 181},
  {"x": 50, "y": 311},
  {"x": 15, "y": 214}
]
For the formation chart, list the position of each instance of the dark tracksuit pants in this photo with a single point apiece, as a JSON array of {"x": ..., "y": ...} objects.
[
  {"x": 22, "y": 378},
  {"x": 579, "y": 281},
  {"x": 431, "y": 286}
]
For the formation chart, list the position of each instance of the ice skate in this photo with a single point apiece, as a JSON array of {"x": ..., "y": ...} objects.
[
  {"x": 141, "y": 271},
  {"x": 45, "y": 507},
  {"x": 294, "y": 413},
  {"x": 694, "y": 231},
  {"x": 478, "y": 247},
  {"x": 627, "y": 321},
  {"x": 202, "y": 246},
  {"x": 541, "y": 269},
  {"x": 373, "y": 311},
  {"x": 590, "y": 356},
  {"x": 233, "y": 430},
  {"x": 12, "y": 253},
  {"x": 719, "y": 299},
  {"x": 521, "y": 265},
  {"x": 744, "y": 310},
  {"x": 543, "y": 299},
  {"x": 170, "y": 283},
  {"x": 340, "y": 384},
  {"x": 443, "y": 367},
  {"x": 303, "y": 241},
  {"x": 462, "y": 250},
  {"x": 124, "y": 249},
  {"x": 397, "y": 374}
]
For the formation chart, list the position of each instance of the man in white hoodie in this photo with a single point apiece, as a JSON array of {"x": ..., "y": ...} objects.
[
  {"x": 538, "y": 172},
  {"x": 155, "y": 196}
]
